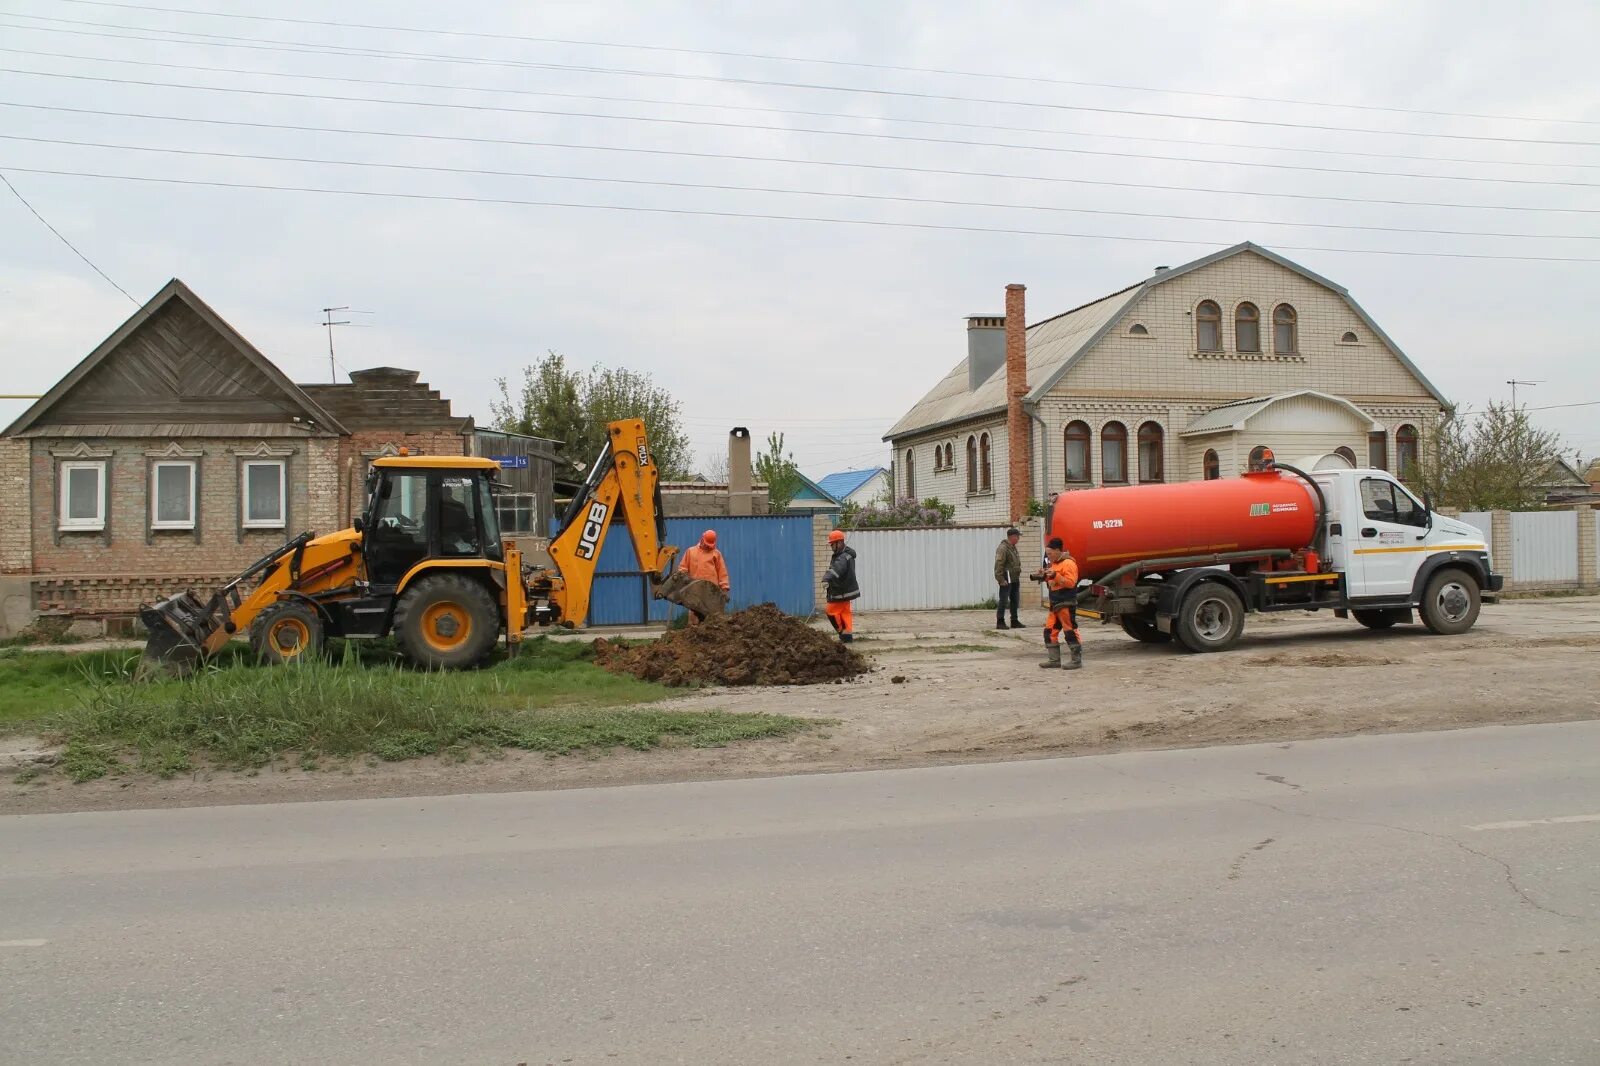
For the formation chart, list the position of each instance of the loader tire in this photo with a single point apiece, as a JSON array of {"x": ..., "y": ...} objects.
[
  {"x": 1210, "y": 619},
  {"x": 1143, "y": 630},
  {"x": 1450, "y": 602},
  {"x": 447, "y": 622},
  {"x": 287, "y": 632}
]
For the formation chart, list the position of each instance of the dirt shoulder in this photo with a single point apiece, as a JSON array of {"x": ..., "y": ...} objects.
[{"x": 969, "y": 694}]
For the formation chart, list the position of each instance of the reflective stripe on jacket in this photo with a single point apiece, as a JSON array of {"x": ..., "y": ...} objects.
[
  {"x": 1062, "y": 580},
  {"x": 841, "y": 576}
]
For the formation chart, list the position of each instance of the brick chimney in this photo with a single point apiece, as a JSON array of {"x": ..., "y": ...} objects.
[
  {"x": 1019, "y": 452},
  {"x": 741, "y": 500}
]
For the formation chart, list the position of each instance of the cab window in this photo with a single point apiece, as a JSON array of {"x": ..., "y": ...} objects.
[
  {"x": 458, "y": 517},
  {"x": 1384, "y": 501}
]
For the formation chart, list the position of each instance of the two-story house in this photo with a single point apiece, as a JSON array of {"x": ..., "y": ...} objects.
[{"x": 1177, "y": 377}]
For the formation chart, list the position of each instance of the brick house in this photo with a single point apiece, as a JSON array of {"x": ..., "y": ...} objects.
[
  {"x": 1175, "y": 378},
  {"x": 175, "y": 454}
]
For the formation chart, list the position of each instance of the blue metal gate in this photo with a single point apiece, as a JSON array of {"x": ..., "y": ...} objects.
[{"x": 769, "y": 561}]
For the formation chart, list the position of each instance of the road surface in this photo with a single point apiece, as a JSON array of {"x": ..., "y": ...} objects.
[{"x": 1426, "y": 898}]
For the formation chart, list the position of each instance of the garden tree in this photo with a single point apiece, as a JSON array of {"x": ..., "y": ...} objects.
[
  {"x": 1494, "y": 459},
  {"x": 777, "y": 469},
  {"x": 573, "y": 407}
]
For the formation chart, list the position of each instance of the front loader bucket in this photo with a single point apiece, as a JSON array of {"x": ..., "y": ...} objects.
[
  {"x": 698, "y": 595},
  {"x": 177, "y": 629}
]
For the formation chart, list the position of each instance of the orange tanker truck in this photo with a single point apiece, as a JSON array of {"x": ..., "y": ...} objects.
[{"x": 1188, "y": 561}]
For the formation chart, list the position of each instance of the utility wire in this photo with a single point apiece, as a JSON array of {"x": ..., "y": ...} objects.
[
  {"x": 657, "y": 102},
  {"x": 1030, "y": 78},
  {"x": 226, "y": 40},
  {"x": 139, "y": 306},
  {"x": 770, "y": 217},
  {"x": 858, "y": 134},
  {"x": 779, "y": 191},
  {"x": 794, "y": 160}
]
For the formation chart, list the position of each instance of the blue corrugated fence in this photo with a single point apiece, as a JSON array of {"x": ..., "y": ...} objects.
[{"x": 769, "y": 561}]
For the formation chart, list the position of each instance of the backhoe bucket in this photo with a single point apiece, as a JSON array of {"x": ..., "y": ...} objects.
[
  {"x": 698, "y": 595},
  {"x": 177, "y": 629}
]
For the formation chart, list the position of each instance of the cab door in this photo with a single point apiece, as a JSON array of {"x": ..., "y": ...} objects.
[{"x": 1388, "y": 541}]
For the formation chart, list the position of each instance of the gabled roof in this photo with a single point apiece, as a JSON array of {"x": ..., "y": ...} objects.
[
  {"x": 1560, "y": 474},
  {"x": 841, "y": 484},
  {"x": 293, "y": 400},
  {"x": 817, "y": 491},
  {"x": 1233, "y": 416},
  {"x": 1056, "y": 344}
]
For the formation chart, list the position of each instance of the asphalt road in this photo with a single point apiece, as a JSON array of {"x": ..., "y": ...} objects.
[{"x": 1426, "y": 898}]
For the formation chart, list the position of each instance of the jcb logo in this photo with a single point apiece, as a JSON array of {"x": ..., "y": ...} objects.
[
  {"x": 589, "y": 540},
  {"x": 644, "y": 453}
]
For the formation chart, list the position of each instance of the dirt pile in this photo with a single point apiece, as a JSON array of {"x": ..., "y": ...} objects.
[{"x": 757, "y": 646}]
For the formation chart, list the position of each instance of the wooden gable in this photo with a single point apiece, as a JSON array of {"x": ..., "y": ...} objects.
[{"x": 174, "y": 362}]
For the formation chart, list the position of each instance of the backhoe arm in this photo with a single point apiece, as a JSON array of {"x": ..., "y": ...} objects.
[{"x": 623, "y": 484}]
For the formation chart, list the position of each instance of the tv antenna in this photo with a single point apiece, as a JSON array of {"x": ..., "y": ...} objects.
[
  {"x": 329, "y": 321},
  {"x": 1514, "y": 382}
]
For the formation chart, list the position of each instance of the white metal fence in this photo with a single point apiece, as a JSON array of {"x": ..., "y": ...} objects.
[
  {"x": 1481, "y": 520},
  {"x": 926, "y": 569},
  {"x": 1544, "y": 546}
]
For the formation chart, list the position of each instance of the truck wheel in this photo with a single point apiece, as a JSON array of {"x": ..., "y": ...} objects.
[
  {"x": 446, "y": 622},
  {"x": 1450, "y": 602},
  {"x": 1143, "y": 630},
  {"x": 289, "y": 631},
  {"x": 1210, "y": 619},
  {"x": 1382, "y": 617}
]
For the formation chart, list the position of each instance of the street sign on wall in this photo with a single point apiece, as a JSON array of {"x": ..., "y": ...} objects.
[{"x": 511, "y": 462}]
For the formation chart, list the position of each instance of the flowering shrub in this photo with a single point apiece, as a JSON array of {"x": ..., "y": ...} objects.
[{"x": 898, "y": 515}]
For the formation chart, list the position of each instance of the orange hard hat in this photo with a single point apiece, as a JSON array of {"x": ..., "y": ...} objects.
[
  {"x": 835, "y": 537},
  {"x": 709, "y": 538}
]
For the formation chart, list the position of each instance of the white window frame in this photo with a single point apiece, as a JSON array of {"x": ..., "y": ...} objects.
[
  {"x": 83, "y": 525},
  {"x": 155, "y": 501},
  {"x": 244, "y": 495}
]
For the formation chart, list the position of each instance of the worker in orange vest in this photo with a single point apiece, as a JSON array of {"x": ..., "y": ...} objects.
[
  {"x": 1060, "y": 575},
  {"x": 704, "y": 562}
]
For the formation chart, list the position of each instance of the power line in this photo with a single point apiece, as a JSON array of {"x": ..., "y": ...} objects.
[
  {"x": 857, "y": 134},
  {"x": 140, "y": 308},
  {"x": 325, "y": 49},
  {"x": 795, "y": 161},
  {"x": 774, "y": 190},
  {"x": 991, "y": 127},
  {"x": 772, "y": 217},
  {"x": 1032, "y": 78}
]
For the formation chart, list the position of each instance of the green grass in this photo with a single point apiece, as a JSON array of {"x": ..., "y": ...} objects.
[{"x": 233, "y": 714}]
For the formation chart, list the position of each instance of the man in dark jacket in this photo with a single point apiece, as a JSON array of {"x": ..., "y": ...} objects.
[
  {"x": 1008, "y": 575},
  {"x": 841, "y": 586}
]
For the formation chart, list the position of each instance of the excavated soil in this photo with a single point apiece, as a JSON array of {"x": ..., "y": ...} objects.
[{"x": 757, "y": 646}]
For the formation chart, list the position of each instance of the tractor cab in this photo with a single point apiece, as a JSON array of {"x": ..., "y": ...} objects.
[{"x": 421, "y": 508}]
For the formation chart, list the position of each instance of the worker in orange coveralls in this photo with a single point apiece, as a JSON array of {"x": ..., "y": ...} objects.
[
  {"x": 704, "y": 562},
  {"x": 841, "y": 587},
  {"x": 1060, "y": 575}
]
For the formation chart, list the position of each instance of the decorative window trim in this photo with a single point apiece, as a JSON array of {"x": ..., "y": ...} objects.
[
  {"x": 1161, "y": 452},
  {"x": 1293, "y": 324},
  {"x": 186, "y": 524},
  {"x": 1259, "y": 349},
  {"x": 80, "y": 450},
  {"x": 175, "y": 450},
  {"x": 263, "y": 450},
  {"x": 1195, "y": 312},
  {"x": 67, "y": 524},
  {"x": 282, "y": 521}
]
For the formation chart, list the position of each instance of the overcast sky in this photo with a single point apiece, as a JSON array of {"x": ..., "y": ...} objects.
[{"x": 827, "y": 332}]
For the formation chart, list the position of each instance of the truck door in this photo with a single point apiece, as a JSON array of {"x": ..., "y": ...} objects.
[{"x": 1387, "y": 539}]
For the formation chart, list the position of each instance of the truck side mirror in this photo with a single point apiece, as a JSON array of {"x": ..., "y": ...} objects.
[{"x": 358, "y": 525}]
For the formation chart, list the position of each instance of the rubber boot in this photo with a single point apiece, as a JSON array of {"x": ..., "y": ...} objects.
[
  {"x": 1077, "y": 658},
  {"x": 1053, "y": 657},
  {"x": 847, "y": 638}
]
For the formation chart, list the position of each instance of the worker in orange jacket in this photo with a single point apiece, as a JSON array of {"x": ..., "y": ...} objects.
[
  {"x": 1060, "y": 576},
  {"x": 704, "y": 562}
]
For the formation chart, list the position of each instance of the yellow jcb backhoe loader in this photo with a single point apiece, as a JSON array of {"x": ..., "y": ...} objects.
[{"x": 426, "y": 563}]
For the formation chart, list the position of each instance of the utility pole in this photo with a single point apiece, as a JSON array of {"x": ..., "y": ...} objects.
[
  {"x": 329, "y": 321},
  {"x": 1514, "y": 383}
]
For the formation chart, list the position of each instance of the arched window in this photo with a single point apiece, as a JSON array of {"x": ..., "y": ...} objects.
[
  {"x": 1378, "y": 450},
  {"x": 1138, "y": 330},
  {"x": 972, "y": 465},
  {"x": 1150, "y": 441},
  {"x": 1076, "y": 437},
  {"x": 1347, "y": 454},
  {"x": 1349, "y": 338},
  {"x": 1247, "y": 328},
  {"x": 983, "y": 463},
  {"x": 1208, "y": 327},
  {"x": 911, "y": 474},
  {"x": 1405, "y": 451},
  {"x": 949, "y": 457},
  {"x": 1113, "y": 453},
  {"x": 1213, "y": 465},
  {"x": 1285, "y": 330}
]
